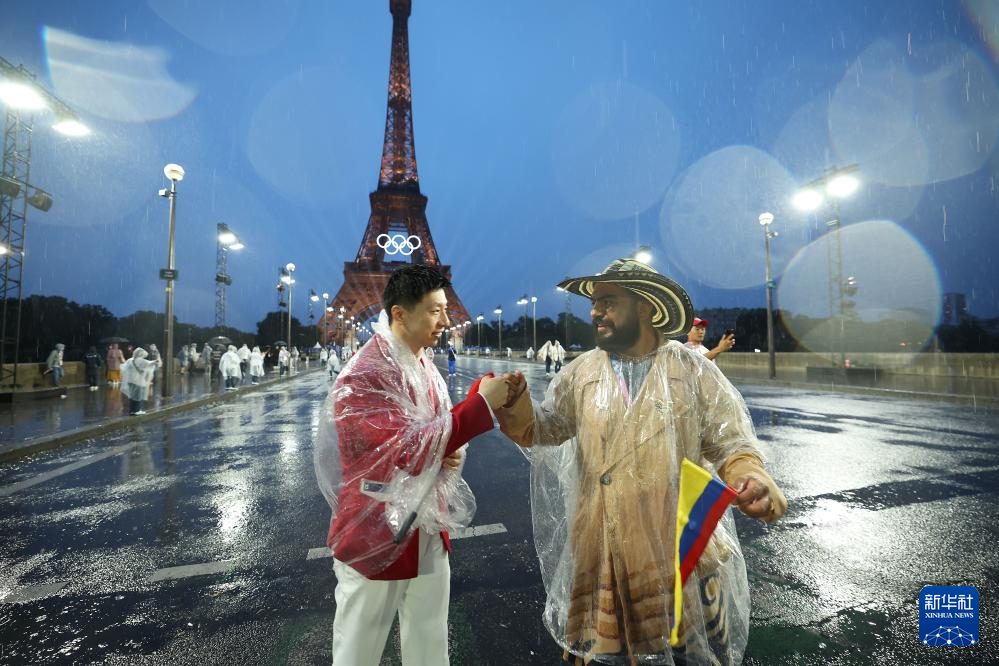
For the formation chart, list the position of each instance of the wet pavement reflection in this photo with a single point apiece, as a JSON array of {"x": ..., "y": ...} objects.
[{"x": 188, "y": 540}]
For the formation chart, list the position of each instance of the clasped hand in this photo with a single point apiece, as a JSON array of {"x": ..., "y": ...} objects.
[{"x": 503, "y": 391}]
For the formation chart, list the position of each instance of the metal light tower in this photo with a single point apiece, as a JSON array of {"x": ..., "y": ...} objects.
[
  {"x": 766, "y": 219},
  {"x": 175, "y": 173},
  {"x": 22, "y": 98},
  {"x": 837, "y": 184},
  {"x": 478, "y": 333},
  {"x": 225, "y": 240}
]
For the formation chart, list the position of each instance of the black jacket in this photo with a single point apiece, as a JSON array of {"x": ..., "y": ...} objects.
[{"x": 93, "y": 361}]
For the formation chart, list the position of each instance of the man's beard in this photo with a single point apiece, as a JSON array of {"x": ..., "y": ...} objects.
[{"x": 621, "y": 338}]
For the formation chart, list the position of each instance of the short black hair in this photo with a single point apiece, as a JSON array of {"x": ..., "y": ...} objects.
[{"x": 408, "y": 285}]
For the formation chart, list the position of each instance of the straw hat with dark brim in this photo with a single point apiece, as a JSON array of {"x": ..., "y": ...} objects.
[{"x": 672, "y": 309}]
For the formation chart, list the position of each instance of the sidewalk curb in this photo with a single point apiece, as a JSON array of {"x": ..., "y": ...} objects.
[
  {"x": 975, "y": 401},
  {"x": 48, "y": 442}
]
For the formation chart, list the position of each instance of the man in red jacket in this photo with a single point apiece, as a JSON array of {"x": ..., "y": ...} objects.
[{"x": 389, "y": 462}]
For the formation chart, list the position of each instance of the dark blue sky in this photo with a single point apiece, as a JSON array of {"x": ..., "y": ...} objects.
[{"x": 548, "y": 135}]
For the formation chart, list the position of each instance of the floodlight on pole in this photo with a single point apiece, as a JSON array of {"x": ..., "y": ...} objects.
[
  {"x": 837, "y": 183},
  {"x": 71, "y": 127},
  {"x": 23, "y": 96},
  {"x": 807, "y": 199},
  {"x": 644, "y": 254},
  {"x": 226, "y": 240},
  {"x": 23, "y": 99}
]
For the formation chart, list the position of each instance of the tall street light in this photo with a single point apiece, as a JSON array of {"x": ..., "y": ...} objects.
[
  {"x": 175, "y": 173},
  {"x": 313, "y": 299},
  {"x": 478, "y": 333},
  {"x": 289, "y": 279},
  {"x": 524, "y": 301},
  {"x": 226, "y": 240},
  {"x": 568, "y": 311},
  {"x": 326, "y": 317},
  {"x": 766, "y": 219},
  {"x": 499, "y": 313},
  {"x": 534, "y": 322},
  {"x": 643, "y": 254},
  {"x": 833, "y": 185},
  {"x": 22, "y": 98}
]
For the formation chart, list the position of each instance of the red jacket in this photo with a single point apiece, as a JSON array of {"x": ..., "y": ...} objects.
[{"x": 350, "y": 536}]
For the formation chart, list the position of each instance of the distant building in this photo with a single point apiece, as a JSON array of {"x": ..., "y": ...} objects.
[{"x": 955, "y": 309}]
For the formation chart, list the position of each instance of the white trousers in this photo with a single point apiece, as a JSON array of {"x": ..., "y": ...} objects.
[{"x": 365, "y": 610}]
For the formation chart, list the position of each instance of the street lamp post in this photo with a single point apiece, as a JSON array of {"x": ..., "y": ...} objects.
[
  {"x": 523, "y": 300},
  {"x": 838, "y": 183},
  {"x": 289, "y": 279},
  {"x": 499, "y": 313},
  {"x": 175, "y": 173},
  {"x": 568, "y": 312},
  {"x": 326, "y": 318},
  {"x": 534, "y": 323},
  {"x": 766, "y": 219},
  {"x": 478, "y": 333},
  {"x": 313, "y": 299}
]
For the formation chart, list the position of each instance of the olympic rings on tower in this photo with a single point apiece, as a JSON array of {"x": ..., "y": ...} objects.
[{"x": 398, "y": 244}]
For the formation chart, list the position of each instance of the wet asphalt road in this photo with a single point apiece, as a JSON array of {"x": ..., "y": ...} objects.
[{"x": 188, "y": 541}]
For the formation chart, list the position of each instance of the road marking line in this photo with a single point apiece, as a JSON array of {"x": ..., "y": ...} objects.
[
  {"x": 65, "y": 469},
  {"x": 787, "y": 410},
  {"x": 33, "y": 593},
  {"x": 188, "y": 570},
  {"x": 467, "y": 532},
  {"x": 478, "y": 530}
]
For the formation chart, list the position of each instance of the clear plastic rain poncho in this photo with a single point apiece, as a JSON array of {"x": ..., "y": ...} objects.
[
  {"x": 382, "y": 438},
  {"x": 137, "y": 374},
  {"x": 607, "y": 443},
  {"x": 229, "y": 363}
]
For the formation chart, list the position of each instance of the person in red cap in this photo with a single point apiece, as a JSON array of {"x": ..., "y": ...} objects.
[{"x": 695, "y": 339}]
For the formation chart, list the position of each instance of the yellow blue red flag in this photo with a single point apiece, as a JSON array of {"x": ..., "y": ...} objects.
[{"x": 702, "y": 502}]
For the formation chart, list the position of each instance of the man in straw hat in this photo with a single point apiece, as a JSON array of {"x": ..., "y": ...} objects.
[{"x": 606, "y": 446}]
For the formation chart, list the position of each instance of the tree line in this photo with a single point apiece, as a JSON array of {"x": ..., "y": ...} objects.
[{"x": 46, "y": 320}]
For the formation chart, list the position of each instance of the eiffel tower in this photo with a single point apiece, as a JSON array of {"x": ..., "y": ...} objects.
[{"x": 397, "y": 233}]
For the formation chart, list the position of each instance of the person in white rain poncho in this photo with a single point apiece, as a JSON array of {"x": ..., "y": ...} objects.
[
  {"x": 530, "y": 353},
  {"x": 333, "y": 363},
  {"x": 256, "y": 365},
  {"x": 606, "y": 446},
  {"x": 244, "y": 359},
  {"x": 545, "y": 354},
  {"x": 557, "y": 353},
  {"x": 388, "y": 460},
  {"x": 284, "y": 361},
  {"x": 229, "y": 368},
  {"x": 136, "y": 376}
]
